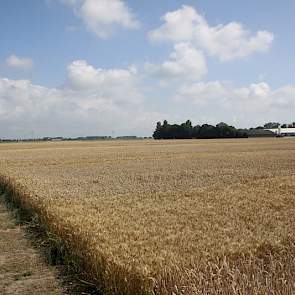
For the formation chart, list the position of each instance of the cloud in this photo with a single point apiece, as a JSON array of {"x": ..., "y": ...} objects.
[
  {"x": 226, "y": 42},
  {"x": 256, "y": 97},
  {"x": 118, "y": 85},
  {"x": 16, "y": 62},
  {"x": 102, "y": 16},
  {"x": 245, "y": 106},
  {"x": 96, "y": 101},
  {"x": 184, "y": 62},
  {"x": 91, "y": 102},
  {"x": 179, "y": 25}
]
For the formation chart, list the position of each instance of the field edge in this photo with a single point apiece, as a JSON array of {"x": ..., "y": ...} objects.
[{"x": 51, "y": 247}]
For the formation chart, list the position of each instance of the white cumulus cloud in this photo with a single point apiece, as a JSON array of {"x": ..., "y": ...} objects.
[
  {"x": 184, "y": 62},
  {"x": 225, "y": 41},
  {"x": 16, "y": 62},
  {"x": 91, "y": 102},
  {"x": 102, "y": 16},
  {"x": 256, "y": 97},
  {"x": 246, "y": 106},
  {"x": 119, "y": 85}
]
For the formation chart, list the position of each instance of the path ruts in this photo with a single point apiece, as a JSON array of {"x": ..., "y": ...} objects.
[{"x": 22, "y": 270}]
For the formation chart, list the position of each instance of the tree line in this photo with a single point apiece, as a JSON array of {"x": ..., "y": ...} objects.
[
  {"x": 273, "y": 125},
  {"x": 188, "y": 131}
]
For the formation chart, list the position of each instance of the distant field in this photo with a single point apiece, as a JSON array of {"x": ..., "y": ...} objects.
[{"x": 167, "y": 217}]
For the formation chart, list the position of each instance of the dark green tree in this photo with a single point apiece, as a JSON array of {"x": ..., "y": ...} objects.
[
  {"x": 157, "y": 134},
  {"x": 187, "y": 131}
]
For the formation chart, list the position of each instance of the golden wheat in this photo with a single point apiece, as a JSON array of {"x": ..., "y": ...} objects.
[{"x": 168, "y": 217}]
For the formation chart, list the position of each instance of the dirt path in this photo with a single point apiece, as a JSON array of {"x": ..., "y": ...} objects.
[{"x": 22, "y": 269}]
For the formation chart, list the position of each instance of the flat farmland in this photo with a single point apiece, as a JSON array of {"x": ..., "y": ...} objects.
[{"x": 165, "y": 217}]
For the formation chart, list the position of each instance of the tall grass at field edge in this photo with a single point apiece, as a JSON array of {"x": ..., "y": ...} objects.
[{"x": 52, "y": 247}]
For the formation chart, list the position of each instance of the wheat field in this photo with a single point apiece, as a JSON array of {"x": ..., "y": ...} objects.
[{"x": 165, "y": 217}]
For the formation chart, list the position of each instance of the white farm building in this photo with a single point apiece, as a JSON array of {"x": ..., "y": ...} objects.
[{"x": 283, "y": 131}]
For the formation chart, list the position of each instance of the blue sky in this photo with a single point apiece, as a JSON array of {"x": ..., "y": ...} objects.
[{"x": 84, "y": 67}]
